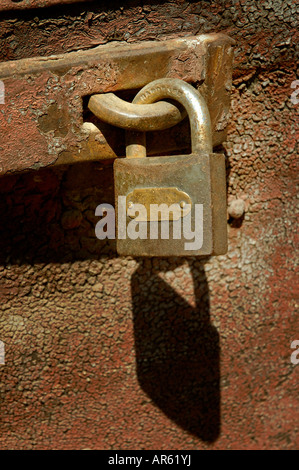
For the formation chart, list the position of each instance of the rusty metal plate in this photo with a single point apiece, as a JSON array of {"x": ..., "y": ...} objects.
[
  {"x": 7, "y": 5},
  {"x": 41, "y": 119}
]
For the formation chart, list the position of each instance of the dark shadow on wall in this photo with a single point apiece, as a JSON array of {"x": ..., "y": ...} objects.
[
  {"x": 48, "y": 217},
  {"x": 177, "y": 351}
]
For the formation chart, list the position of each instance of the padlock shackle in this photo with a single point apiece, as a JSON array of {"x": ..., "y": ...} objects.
[{"x": 193, "y": 102}]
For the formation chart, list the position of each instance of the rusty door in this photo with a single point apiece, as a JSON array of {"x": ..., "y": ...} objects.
[{"x": 106, "y": 352}]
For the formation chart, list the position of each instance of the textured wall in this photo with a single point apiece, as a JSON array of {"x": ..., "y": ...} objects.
[{"x": 105, "y": 352}]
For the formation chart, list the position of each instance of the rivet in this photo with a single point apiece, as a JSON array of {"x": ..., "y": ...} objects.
[{"x": 236, "y": 208}]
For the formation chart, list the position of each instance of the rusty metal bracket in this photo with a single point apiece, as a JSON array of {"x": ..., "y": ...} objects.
[{"x": 43, "y": 117}]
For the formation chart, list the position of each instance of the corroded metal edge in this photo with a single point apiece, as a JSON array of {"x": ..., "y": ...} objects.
[{"x": 9, "y": 5}]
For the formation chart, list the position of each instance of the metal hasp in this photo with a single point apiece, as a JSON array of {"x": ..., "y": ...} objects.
[
  {"x": 200, "y": 176},
  {"x": 42, "y": 119}
]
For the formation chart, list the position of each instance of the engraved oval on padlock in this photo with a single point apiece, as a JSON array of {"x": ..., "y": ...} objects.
[
  {"x": 200, "y": 175},
  {"x": 179, "y": 201}
]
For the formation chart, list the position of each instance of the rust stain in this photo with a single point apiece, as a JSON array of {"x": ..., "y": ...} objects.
[{"x": 8, "y": 5}]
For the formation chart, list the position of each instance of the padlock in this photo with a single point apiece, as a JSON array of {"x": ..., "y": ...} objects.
[{"x": 172, "y": 205}]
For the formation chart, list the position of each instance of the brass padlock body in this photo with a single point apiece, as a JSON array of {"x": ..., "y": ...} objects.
[{"x": 202, "y": 175}]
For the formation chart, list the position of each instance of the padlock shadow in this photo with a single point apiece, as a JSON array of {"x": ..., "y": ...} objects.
[{"x": 177, "y": 351}]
